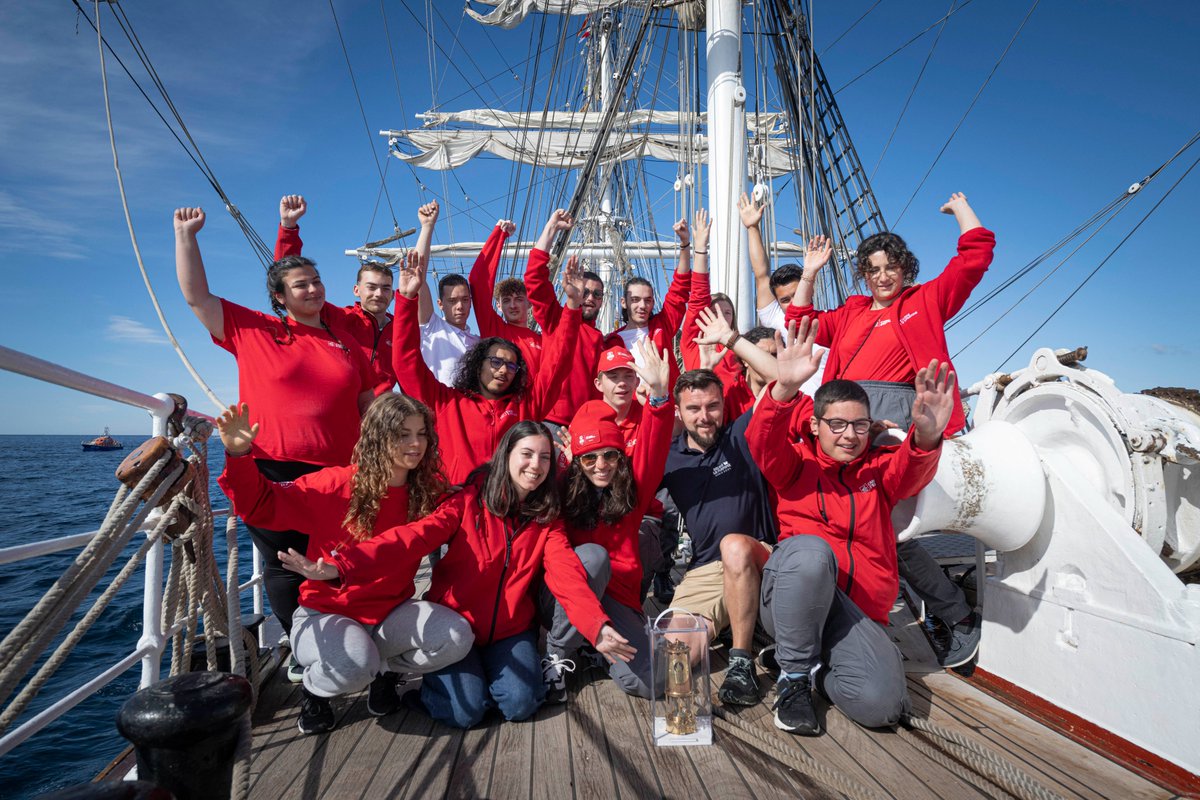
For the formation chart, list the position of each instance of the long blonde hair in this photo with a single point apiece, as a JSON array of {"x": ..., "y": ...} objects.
[{"x": 375, "y": 454}]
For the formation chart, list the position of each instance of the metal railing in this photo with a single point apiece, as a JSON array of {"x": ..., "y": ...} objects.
[{"x": 150, "y": 647}]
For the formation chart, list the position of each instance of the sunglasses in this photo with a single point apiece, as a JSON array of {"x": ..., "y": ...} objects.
[
  {"x": 596, "y": 293},
  {"x": 499, "y": 363},
  {"x": 860, "y": 426},
  {"x": 610, "y": 456}
]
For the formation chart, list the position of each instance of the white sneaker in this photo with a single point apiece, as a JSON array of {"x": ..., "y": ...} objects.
[{"x": 554, "y": 677}]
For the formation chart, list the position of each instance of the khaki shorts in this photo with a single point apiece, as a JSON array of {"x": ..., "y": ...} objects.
[{"x": 702, "y": 592}]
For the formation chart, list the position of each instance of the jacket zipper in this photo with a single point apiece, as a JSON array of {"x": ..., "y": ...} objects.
[
  {"x": 849, "y": 532},
  {"x": 508, "y": 540}
]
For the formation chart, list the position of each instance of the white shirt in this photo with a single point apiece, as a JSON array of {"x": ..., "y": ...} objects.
[
  {"x": 631, "y": 337},
  {"x": 443, "y": 346},
  {"x": 773, "y": 316}
]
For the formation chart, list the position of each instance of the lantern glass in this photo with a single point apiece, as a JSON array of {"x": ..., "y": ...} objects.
[{"x": 681, "y": 708}]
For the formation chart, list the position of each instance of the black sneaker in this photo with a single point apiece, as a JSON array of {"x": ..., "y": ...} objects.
[
  {"x": 382, "y": 697},
  {"x": 794, "y": 710},
  {"x": 939, "y": 635},
  {"x": 767, "y": 661},
  {"x": 963, "y": 643},
  {"x": 740, "y": 687},
  {"x": 663, "y": 587},
  {"x": 316, "y": 714},
  {"x": 554, "y": 676}
]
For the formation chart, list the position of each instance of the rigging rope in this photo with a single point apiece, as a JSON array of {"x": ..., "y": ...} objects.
[
  {"x": 853, "y": 25},
  {"x": 974, "y": 100},
  {"x": 137, "y": 250}
]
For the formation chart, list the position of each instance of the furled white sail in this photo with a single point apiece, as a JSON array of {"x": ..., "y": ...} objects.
[
  {"x": 765, "y": 124},
  {"x": 448, "y": 149},
  {"x": 510, "y": 13}
]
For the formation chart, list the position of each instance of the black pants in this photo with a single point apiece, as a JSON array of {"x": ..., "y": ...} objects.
[{"x": 282, "y": 585}]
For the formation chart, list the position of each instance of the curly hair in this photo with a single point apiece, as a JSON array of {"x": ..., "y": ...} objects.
[
  {"x": 375, "y": 455},
  {"x": 499, "y": 493},
  {"x": 587, "y": 506},
  {"x": 894, "y": 248},
  {"x": 466, "y": 377}
]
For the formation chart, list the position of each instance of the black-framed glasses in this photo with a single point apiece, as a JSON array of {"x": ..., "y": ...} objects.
[
  {"x": 610, "y": 456},
  {"x": 860, "y": 426},
  {"x": 596, "y": 293},
  {"x": 497, "y": 364}
]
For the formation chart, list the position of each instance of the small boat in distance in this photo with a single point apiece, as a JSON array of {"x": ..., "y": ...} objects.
[{"x": 104, "y": 442}]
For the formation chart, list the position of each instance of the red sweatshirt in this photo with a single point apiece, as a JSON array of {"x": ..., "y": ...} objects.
[
  {"x": 490, "y": 571},
  {"x": 849, "y": 505},
  {"x": 469, "y": 425},
  {"x": 483, "y": 286},
  {"x": 376, "y": 342},
  {"x": 579, "y": 386},
  {"x": 918, "y": 316},
  {"x": 663, "y": 326},
  {"x": 317, "y": 503},
  {"x": 620, "y": 539}
]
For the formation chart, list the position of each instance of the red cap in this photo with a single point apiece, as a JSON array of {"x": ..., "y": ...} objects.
[
  {"x": 595, "y": 428},
  {"x": 614, "y": 357}
]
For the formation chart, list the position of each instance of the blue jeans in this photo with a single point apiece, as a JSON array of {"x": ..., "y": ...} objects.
[{"x": 506, "y": 675}]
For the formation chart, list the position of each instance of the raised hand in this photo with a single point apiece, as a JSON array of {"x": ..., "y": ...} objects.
[
  {"x": 956, "y": 204},
  {"x": 291, "y": 209},
  {"x": 709, "y": 357},
  {"x": 559, "y": 220},
  {"x": 572, "y": 280},
  {"x": 507, "y": 225},
  {"x": 613, "y": 645},
  {"x": 655, "y": 370},
  {"x": 411, "y": 275},
  {"x": 189, "y": 220},
  {"x": 713, "y": 327},
  {"x": 681, "y": 231},
  {"x": 564, "y": 442},
  {"x": 701, "y": 228},
  {"x": 933, "y": 404},
  {"x": 427, "y": 214},
  {"x": 236, "y": 431},
  {"x": 319, "y": 570},
  {"x": 750, "y": 211},
  {"x": 817, "y": 254},
  {"x": 795, "y": 358}
]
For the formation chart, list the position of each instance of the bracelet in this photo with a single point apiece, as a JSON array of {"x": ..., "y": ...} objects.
[
  {"x": 655, "y": 402},
  {"x": 687, "y": 246},
  {"x": 807, "y": 279},
  {"x": 701, "y": 252},
  {"x": 733, "y": 339}
]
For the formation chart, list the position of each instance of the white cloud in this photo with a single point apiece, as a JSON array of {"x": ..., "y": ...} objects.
[{"x": 124, "y": 329}]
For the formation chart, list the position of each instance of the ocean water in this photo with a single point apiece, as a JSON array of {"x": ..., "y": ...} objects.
[{"x": 51, "y": 488}]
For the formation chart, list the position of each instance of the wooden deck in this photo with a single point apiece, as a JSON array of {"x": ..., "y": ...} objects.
[{"x": 597, "y": 745}]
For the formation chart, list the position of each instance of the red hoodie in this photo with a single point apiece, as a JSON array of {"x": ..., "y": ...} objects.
[
  {"x": 375, "y": 342},
  {"x": 620, "y": 539},
  {"x": 469, "y": 425},
  {"x": 579, "y": 386},
  {"x": 849, "y": 505},
  {"x": 483, "y": 286},
  {"x": 919, "y": 314},
  {"x": 490, "y": 571},
  {"x": 317, "y": 503}
]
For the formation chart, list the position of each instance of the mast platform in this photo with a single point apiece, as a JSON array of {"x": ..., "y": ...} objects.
[{"x": 597, "y": 745}]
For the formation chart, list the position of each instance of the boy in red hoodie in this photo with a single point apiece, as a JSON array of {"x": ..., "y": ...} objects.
[{"x": 833, "y": 575}]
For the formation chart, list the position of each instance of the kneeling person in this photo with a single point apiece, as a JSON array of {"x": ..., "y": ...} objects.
[{"x": 828, "y": 587}]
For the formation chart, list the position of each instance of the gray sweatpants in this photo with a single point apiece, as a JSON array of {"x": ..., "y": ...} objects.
[
  {"x": 893, "y": 401},
  {"x": 341, "y": 655},
  {"x": 813, "y": 621},
  {"x": 633, "y": 677}
]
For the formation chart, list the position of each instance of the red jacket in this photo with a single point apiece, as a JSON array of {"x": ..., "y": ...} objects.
[
  {"x": 375, "y": 342},
  {"x": 317, "y": 503},
  {"x": 468, "y": 425},
  {"x": 620, "y": 539},
  {"x": 579, "y": 386},
  {"x": 738, "y": 397},
  {"x": 483, "y": 285},
  {"x": 847, "y": 505},
  {"x": 918, "y": 315},
  {"x": 490, "y": 571},
  {"x": 663, "y": 326}
]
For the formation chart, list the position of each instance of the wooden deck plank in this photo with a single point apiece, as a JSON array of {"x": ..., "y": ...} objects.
[
  {"x": 592, "y": 768},
  {"x": 552, "y": 772},
  {"x": 408, "y": 748},
  {"x": 472, "y": 772},
  {"x": 513, "y": 764},
  {"x": 297, "y": 769},
  {"x": 431, "y": 774}
]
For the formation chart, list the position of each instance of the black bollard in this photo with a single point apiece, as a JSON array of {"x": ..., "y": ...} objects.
[
  {"x": 111, "y": 790},
  {"x": 185, "y": 732}
]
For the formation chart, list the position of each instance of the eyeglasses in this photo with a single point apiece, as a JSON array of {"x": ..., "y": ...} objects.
[
  {"x": 610, "y": 456},
  {"x": 873, "y": 272},
  {"x": 596, "y": 293},
  {"x": 499, "y": 363},
  {"x": 861, "y": 426}
]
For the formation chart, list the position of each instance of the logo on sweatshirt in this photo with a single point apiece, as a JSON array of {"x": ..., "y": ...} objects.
[
  {"x": 908, "y": 316},
  {"x": 721, "y": 469},
  {"x": 868, "y": 486}
]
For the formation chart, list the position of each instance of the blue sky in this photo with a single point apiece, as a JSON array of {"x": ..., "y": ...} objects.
[{"x": 1092, "y": 96}]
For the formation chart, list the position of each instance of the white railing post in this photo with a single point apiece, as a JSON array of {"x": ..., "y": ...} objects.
[{"x": 152, "y": 590}]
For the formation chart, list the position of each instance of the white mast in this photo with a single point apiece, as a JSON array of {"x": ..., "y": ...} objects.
[
  {"x": 728, "y": 255},
  {"x": 608, "y": 272}
]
